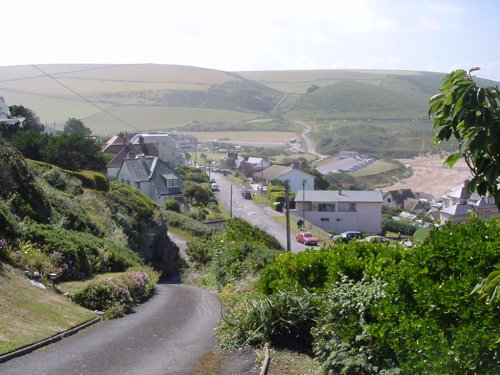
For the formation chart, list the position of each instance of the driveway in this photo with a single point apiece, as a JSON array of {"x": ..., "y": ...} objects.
[
  {"x": 253, "y": 213},
  {"x": 168, "y": 334}
]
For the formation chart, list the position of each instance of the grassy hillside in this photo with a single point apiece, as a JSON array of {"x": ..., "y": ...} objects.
[
  {"x": 382, "y": 112},
  {"x": 29, "y": 314}
]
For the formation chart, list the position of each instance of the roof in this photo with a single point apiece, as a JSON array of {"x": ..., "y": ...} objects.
[
  {"x": 152, "y": 168},
  {"x": 152, "y": 138},
  {"x": 458, "y": 209},
  {"x": 460, "y": 191},
  {"x": 412, "y": 204},
  {"x": 399, "y": 196},
  {"x": 131, "y": 151},
  {"x": 275, "y": 171},
  {"x": 367, "y": 196}
]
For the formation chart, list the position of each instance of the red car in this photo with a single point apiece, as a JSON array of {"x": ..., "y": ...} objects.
[{"x": 306, "y": 238}]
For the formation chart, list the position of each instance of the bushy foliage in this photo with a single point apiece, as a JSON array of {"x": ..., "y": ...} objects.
[
  {"x": 188, "y": 224},
  {"x": 398, "y": 226},
  {"x": 116, "y": 295},
  {"x": 19, "y": 187},
  {"x": 282, "y": 319},
  {"x": 199, "y": 252},
  {"x": 239, "y": 230},
  {"x": 401, "y": 310},
  {"x": 31, "y": 259},
  {"x": 342, "y": 342},
  {"x": 172, "y": 205},
  {"x": 80, "y": 254}
]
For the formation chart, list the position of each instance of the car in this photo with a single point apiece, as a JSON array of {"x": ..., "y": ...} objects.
[
  {"x": 212, "y": 180},
  {"x": 347, "y": 236},
  {"x": 306, "y": 238},
  {"x": 246, "y": 193},
  {"x": 214, "y": 187}
]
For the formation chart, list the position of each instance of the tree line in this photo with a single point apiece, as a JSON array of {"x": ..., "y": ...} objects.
[{"x": 72, "y": 149}]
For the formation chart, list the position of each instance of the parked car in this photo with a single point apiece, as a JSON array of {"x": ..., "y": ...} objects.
[
  {"x": 306, "y": 238},
  {"x": 347, "y": 236},
  {"x": 246, "y": 193},
  {"x": 214, "y": 187}
]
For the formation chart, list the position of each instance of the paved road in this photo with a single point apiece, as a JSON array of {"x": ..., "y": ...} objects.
[
  {"x": 253, "y": 213},
  {"x": 166, "y": 335}
]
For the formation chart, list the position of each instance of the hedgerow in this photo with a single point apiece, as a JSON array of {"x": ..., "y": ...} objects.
[{"x": 385, "y": 309}]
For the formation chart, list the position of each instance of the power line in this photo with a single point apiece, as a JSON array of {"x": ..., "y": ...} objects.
[{"x": 76, "y": 93}]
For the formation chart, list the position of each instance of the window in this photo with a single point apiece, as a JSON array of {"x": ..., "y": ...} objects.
[
  {"x": 172, "y": 183},
  {"x": 325, "y": 219},
  {"x": 326, "y": 207},
  {"x": 352, "y": 206}
]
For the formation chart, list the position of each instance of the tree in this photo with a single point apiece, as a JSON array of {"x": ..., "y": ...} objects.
[
  {"x": 196, "y": 194},
  {"x": 471, "y": 115},
  {"x": 31, "y": 120},
  {"x": 76, "y": 126}
]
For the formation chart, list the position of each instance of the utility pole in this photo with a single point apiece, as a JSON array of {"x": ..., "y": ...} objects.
[
  {"x": 287, "y": 207},
  {"x": 231, "y": 203},
  {"x": 304, "y": 201}
]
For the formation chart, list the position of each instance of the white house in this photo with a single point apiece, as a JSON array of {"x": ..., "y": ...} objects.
[
  {"x": 297, "y": 179},
  {"x": 168, "y": 149},
  {"x": 152, "y": 176},
  {"x": 5, "y": 113},
  {"x": 458, "y": 203},
  {"x": 342, "y": 210}
]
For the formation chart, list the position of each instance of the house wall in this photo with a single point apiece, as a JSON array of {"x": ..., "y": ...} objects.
[
  {"x": 112, "y": 173},
  {"x": 296, "y": 177},
  {"x": 145, "y": 186},
  {"x": 366, "y": 218},
  {"x": 389, "y": 201}
]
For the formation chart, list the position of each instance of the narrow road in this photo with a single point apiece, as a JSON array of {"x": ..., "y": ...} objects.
[
  {"x": 253, "y": 213},
  {"x": 166, "y": 335},
  {"x": 310, "y": 148}
]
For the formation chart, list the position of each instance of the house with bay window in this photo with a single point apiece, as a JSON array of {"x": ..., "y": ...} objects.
[
  {"x": 341, "y": 210},
  {"x": 152, "y": 176}
]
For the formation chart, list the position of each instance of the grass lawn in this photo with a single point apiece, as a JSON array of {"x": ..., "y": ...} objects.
[
  {"x": 378, "y": 166},
  {"x": 29, "y": 314}
]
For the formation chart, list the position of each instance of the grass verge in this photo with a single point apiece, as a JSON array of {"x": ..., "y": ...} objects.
[{"x": 29, "y": 314}]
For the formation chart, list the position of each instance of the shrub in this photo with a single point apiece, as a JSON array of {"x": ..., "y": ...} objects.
[
  {"x": 199, "y": 252},
  {"x": 283, "y": 319},
  {"x": 188, "y": 224},
  {"x": 172, "y": 205},
  {"x": 342, "y": 342},
  {"x": 397, "y": 226},
  {"x": 116, "y": 295}
]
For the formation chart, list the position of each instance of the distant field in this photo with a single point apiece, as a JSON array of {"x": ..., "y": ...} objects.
[
  {"x": 249, "y": 138},
  {"x": 91, "y": 80},
  {"x": 298, "y": 81},
  {"x": 51, "y": 109},
  {"x": 155, "y": 118},
  {"x": 379, "y": 166}
]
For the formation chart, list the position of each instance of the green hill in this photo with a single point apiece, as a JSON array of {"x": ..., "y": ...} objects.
[{"x": 385, "y": 111}]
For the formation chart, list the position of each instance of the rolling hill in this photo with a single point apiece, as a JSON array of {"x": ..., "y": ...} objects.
[{"x": 391, "y": 105}]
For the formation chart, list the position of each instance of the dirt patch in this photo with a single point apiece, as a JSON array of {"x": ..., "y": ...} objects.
[
  {"x": 229, "y": 362},
  {"x": 430, "y": 176}
]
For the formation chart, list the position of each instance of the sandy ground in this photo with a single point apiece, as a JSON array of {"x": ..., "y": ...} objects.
[{"x": 430, "y": 176}]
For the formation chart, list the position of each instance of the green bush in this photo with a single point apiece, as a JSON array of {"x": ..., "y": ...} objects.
[
  {"x": 398, "y": 226},
  {"x": 283, "y": 319},
  {"x": 199, "y": 252},
  {"x": 172, "y": 205},
  {"x": 188, "y": 224},
  {"x": 81, "y": 254},
  {"x": 342, "y": 342}
]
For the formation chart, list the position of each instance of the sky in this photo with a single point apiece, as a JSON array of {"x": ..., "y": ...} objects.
[{"x": 234, "y": 35}]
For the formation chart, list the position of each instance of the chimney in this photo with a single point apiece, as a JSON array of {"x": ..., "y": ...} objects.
[
  {"x": 340, "y": 188},
  {"x": 141, "y": 139}
]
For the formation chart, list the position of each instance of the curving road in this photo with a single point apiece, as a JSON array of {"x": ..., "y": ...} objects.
[
  {"x": 310, "y": 148},
  {"x": 166, "y": 335}
]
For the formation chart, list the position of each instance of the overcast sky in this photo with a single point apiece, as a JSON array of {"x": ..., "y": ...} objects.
[{"x": 236, "y": 35}]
